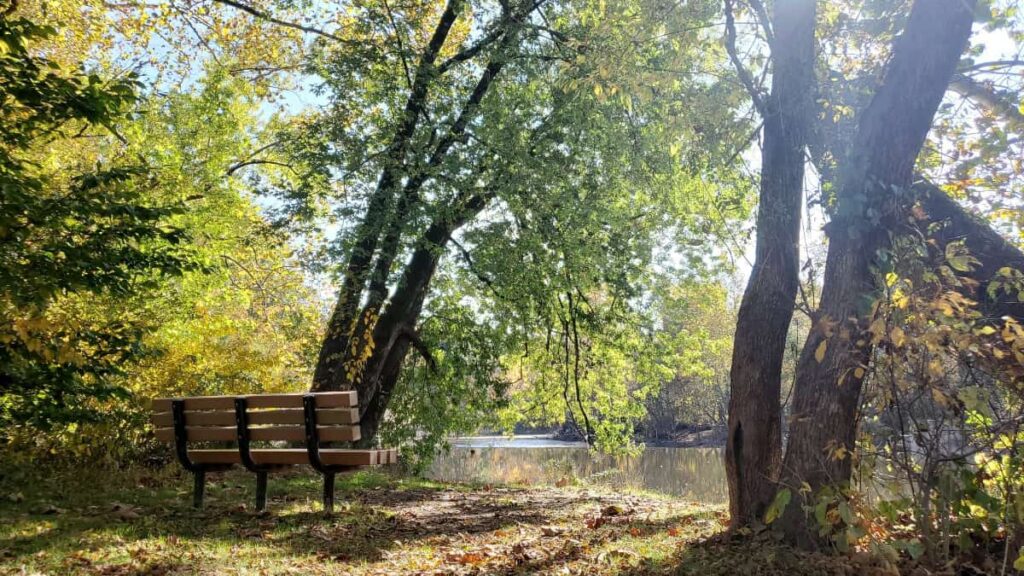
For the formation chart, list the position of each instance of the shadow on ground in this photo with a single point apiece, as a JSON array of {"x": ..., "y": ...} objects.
[{"x": 141, "y": 523}]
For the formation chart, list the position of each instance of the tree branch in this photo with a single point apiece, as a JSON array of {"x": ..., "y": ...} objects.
[
  {"x": 765, "y": 21},
  {"x": 500, "y": 29},
  {"x": 472, "y": 266},
  {"x": 401, "y": 45},
  {"x": 989, "y": 98},
  {"x": 730, "y": 46},
  {"x": 420, "y": 347},
  {"x": 238, "y": 166},
  {"x": 271, "y": 18}
]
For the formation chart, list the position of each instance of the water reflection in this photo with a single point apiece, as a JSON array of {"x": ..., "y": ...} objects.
[{"x": 691, "y": 473}]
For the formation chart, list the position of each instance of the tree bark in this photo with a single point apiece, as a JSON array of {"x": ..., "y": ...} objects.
[
  {"x": 754, "y": 446},
  {"x": 872, "y": 198},
  {"x": 395, "y": 330},
  {"x": 329, "y": 373}
]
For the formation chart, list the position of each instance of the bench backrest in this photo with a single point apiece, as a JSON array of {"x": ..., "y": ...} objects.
[{"x": 270, "y": 417}]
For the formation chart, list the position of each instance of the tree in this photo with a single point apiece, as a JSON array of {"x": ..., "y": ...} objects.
[
  {"x": 136, "y": 262},
  {"x": 66, "y": 234},
  {"x": 865, "y": 142},
  {"x": 754, "y": 446},
  {"x": 871, "y": 201},
  {"x": 517, "y": 145}
]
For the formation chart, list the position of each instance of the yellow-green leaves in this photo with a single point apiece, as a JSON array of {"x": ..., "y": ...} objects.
[{"x": 778, "y": 505}]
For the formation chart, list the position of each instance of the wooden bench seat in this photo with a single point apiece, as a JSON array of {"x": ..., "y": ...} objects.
[
  {"x": 307, "y": 419},
  {"x": 290, "y": 456}
]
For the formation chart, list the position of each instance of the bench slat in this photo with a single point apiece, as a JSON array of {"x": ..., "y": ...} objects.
[
  {"x": 331, "y": 457},
  {"x": 270, "y": 433},
  {"x": 345, "y": 399},
  {"x": 257, "y": 417}
]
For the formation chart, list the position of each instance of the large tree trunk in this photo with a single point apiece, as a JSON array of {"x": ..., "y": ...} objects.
[
  {"x": 330, "y": 370},
  {"x": 754, "y": 447},
  {"x": 358, "y": 339},
  {"x": 872, "y": 197},
  {"x": 395, "y": 331}
]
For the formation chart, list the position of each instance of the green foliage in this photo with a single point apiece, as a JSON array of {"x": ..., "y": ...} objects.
[
  {"x": 600, "y": 186},
  {"x": 135, "y": 264},
  {"x": 458, "y": 394},
  {"x": 778, "y": 505},
  {"x": 941, "y": 441},
  {"x": 67, "y": 233}
]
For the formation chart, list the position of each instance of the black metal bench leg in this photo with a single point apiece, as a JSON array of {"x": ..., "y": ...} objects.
[
  {"x": 261, "y": 491},
  {"x": 198, "y": 486},
  {"x": 329, "y": 492}
]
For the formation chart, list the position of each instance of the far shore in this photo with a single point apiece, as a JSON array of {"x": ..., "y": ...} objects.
[{"x": 707, "y": 438}]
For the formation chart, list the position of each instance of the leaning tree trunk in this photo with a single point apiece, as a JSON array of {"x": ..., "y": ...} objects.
[
  {"x": 872, "y": 197},
  {"x": 330, "y": 373},
  {"x": 754, "y": 447},
  {"x": 395, "y": 331},
  {"x": 363, "y": 334}
]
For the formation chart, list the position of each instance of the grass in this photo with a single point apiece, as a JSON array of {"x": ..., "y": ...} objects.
[{"x": 141, "y": 522}]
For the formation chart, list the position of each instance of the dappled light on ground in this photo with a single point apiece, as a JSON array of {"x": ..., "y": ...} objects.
[{"x": 143, "y": 524}]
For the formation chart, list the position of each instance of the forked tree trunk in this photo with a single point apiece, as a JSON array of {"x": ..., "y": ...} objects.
[
  {"x": 359, "y": 338},
  {"x": 370, "y": 334},
  {"x": 395, "y": 331},
  {"x": 754, "y": 447},
  {"x": 330, "y": 370},
  {"x": 872, "y": 197}
]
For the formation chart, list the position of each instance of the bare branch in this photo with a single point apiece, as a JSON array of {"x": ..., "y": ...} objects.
[
  {"x": 764, "y": 20},
  {"x": 994, "y": 64},
  {"x": 236, "y": 167},
  {"x": 401, "y": 45},
  {"x": 988, "y": 97}
]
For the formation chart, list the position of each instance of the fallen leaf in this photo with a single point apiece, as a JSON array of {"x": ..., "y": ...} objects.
[
  {"x": 612, "y": 510},
  {"x": 552, "y": 530}
]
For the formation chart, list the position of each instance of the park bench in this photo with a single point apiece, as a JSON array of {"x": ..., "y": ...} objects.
[{"x": 307, "y": 419}]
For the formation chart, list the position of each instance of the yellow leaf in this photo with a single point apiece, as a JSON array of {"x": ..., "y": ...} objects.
[
  {"x": 877, "y": 330},
  {"x": 819, "y": 352},
  {"x": 858, "y": 372},
  {"x": 897, "y": 337}
]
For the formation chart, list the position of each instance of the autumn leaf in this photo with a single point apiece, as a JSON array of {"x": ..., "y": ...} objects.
[
  {"x": 778, "y": 505},
  {"x": 897, "y": 337},
  {"x": 819, "y": 352}
]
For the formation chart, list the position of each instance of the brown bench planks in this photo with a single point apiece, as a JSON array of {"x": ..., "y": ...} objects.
[
  {"x": 259, "y": 417},
  {"x": 296, "y": 456},
  {"x": 323, "y": 400},
  {"x": 269, "y": 417},
  {"x": 268, "y": 433}
]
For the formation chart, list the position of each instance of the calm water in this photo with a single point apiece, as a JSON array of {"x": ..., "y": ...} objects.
[{"x": 691, "y": 473}]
